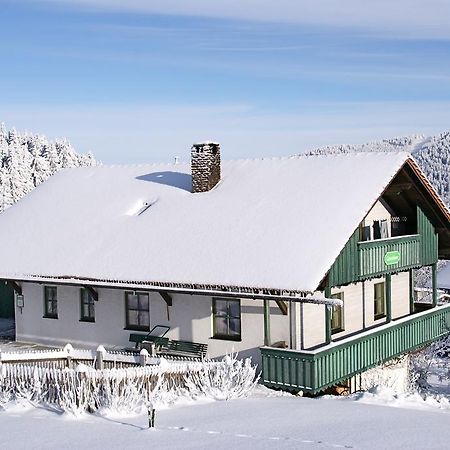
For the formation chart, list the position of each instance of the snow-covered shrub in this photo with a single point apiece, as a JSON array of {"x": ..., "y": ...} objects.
[
  {"x": 228, "y": 379},
  {"x": 74, "y": 391},
  {"x": 126, "y": 390},
  {"x": 432, "y": 360},
  {"x": 393, "y": 376}
]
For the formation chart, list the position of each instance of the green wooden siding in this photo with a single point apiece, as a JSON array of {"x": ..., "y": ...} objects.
[
  {"x": 346, "y": 268},
  {"x": 314, "y": 371},
  {"x": 360, "y": 261},
  {"x": 429, "y": 243}
]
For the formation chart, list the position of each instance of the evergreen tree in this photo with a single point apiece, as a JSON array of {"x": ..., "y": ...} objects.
[{"x": 28, "y": 160}]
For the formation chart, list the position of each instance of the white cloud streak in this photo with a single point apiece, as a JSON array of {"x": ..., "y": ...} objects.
[{"x": 399, "y": 18}]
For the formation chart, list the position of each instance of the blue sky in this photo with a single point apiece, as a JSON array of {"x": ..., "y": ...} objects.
[{"x": 139, "y": 81}]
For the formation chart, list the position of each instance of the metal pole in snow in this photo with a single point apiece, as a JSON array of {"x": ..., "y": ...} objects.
[{"x": 151, "y": 417}]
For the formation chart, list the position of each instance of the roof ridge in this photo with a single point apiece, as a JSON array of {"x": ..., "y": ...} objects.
[{"x": 261, "y": 158}]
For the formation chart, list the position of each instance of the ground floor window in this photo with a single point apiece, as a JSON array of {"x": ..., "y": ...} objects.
[
  {"x": 87, "y": 306},
  {"x": 50, "y": 302},
  {"x": 227, "y": 319},
  {"x": 337, "y": 314},
  {"x": 379, "y": 298},
  {"x": 137, "y": 311}
]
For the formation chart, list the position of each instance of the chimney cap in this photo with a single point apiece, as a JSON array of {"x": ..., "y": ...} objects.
[{"x": 204, "y": 143}]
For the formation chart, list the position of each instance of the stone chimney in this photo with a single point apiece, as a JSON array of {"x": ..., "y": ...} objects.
[{"x": 205, "y": 166}]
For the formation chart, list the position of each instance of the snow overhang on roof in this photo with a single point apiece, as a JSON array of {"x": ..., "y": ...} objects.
[{"x": 271, "y": 224}]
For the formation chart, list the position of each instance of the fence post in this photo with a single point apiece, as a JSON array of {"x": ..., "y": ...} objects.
[
  {"x": 101, "y": 352},
  {"x": 143, "y": 357},
  {"x": 68, "y": 349}
]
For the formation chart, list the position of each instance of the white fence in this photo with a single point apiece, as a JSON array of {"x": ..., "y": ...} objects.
[{"x": 67, "y": 356}]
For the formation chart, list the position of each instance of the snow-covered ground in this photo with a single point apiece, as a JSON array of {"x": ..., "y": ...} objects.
[{"x": 265, "y": 420}]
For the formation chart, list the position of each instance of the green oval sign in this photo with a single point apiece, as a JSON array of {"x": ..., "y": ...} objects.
[{"x": 391, "y": 258}]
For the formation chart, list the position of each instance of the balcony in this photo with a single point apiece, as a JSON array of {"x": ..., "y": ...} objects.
[
  {"x": 386, "y": 255},
  {"x": 360, "y": 260},
  {"x": 314, "y": 371}
]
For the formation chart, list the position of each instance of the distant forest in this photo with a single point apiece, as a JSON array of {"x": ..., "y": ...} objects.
[{"x": 432, "y": 154}]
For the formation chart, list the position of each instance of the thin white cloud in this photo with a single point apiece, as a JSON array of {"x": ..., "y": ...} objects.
[
  {"x": 405, "y": 18},
  {"x": 135, "y": 134}
]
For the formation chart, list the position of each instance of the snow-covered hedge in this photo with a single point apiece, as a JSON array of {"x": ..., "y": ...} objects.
[{"x": 126, "y": 390}]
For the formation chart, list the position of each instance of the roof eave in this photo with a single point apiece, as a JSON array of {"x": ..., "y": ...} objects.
[{"x": 255, "y": 293}]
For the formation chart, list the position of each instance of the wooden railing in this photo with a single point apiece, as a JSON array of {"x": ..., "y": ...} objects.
[
  {"x": 314, "y": 371},
  {"x": 386, "y": 255}
]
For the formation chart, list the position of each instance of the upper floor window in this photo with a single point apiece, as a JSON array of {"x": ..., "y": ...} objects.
[
  {"x": 227, "y": 319},
  {"x": 379, "y": 300},
  {"x": 337, "y": 314},
  {"x": 87, "y": 306},
  {"x": 137, "y": 311},
  {"x": 50, "y": 302}
]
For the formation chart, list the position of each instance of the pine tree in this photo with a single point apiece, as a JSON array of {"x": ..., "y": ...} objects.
[{"x": 28, "y": 160}]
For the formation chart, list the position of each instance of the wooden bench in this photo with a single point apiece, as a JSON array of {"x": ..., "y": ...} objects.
[
  {"x": 164, "y": 346},
  {"x": 185, "y": 348},
  {"x": 138, "y": 339}
]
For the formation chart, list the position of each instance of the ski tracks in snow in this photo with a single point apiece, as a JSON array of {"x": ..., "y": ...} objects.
[{"x": 259, "y": 437}]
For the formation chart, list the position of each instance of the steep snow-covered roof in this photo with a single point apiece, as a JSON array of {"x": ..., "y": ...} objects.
[{"x": 271, "y": 223}]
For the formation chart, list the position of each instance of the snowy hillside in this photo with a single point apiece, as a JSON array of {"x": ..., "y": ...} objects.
[
  {"x": 27, "y": 160},
  {"x": 432, "y": 154}
]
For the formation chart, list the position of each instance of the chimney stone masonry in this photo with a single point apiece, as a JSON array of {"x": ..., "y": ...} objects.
[{"x": 205, "y": 166}]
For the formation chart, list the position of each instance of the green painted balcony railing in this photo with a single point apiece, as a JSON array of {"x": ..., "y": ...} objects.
[
  {"x": 314, "y": 371},
  {"x": 372, "y": 255},
  {"x": 362, "y": 260}
]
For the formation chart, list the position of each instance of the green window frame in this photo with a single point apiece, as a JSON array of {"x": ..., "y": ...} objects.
[
  {"x": 337, "y": 314},
  {"x": 227, "y": 319},
  {"x": 50, "y": 302},
  {"x": 379, "y": 300},
  {"x": 137, "y": 311},
  {"x": 87, "y": 306}
]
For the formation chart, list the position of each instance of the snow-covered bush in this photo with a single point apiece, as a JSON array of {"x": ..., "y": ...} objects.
[
  {"x": 229, "y": 379},
  {"x": 394, "y": 376},
  {"x": 432, "y": 360},
  {"x": 126, "y": 390}
]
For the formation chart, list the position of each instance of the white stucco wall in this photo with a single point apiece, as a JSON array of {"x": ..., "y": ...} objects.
[
  {"x": 358, "y": 303},
  {"x": 190, "y": 319}
]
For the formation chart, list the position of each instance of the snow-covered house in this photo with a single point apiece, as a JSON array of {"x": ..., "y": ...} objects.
[{"x": 305, "y": 263}]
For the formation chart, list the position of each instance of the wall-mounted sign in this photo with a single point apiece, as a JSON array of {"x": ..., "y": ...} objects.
[
  {"x": 20, "y": 301},
  {"x": 391, "y": 258}
]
